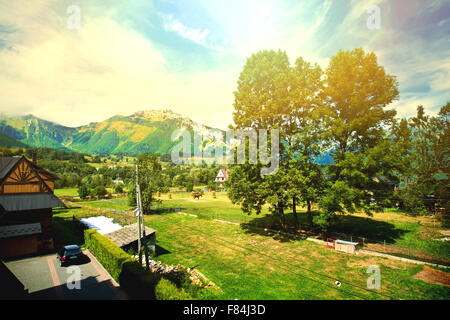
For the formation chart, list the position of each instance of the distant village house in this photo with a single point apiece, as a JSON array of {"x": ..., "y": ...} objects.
[{"x": 222, "y": 175}]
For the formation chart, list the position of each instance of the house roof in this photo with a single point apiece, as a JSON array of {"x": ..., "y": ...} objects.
[
  {"x": 42, "y": 171},
  {"x": 22, "y": 202},
  {"x": 127, "y": 234},
  {"x": 6, "y": 165},
  {"x": 223, "y": 173}
]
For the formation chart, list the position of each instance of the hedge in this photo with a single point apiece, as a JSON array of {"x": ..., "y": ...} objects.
[
  {"x": 166, "y": 290},
  {"x": 132, "y": 277},
  {"x": 111, "y": 256}
]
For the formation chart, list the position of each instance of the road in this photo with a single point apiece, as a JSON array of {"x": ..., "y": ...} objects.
[{"x": 46, "y": 279}]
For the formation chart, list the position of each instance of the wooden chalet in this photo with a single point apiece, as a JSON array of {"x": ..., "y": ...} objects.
[{"x": 26, "y": 202}]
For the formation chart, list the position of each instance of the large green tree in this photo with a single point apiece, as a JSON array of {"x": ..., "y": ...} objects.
[
  {"x": 272, "y": 94},
  {"x": 261, "y": 101},
  {"x": 356, "y": 93},
  {"x": 427, "y": 160}
]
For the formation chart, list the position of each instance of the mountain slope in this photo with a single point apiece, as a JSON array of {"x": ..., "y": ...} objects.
[
  {"x": 144, "y": 131},
  {"x": 35, "y": 132},
  {"x": 6, "y": 141}
]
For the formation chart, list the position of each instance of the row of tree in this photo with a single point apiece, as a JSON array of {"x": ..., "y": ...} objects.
[
  {"x": 74, "y": 170},
  {"x": 341, "y": 110}
]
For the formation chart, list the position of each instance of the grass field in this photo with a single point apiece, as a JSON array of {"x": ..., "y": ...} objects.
[
  {"x": 413, "y": 234},
  {"x": 256, "y": 266},
  {"x": 384, "y": 231},
  {"x": 251, "y": 264},
  {"x": 72, "y": 192}
]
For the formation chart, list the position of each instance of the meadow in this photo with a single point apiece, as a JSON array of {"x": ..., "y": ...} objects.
[{"x": 249, "y": 263}]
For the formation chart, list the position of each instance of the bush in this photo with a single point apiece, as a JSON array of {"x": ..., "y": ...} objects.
[
  {"x": 166, "y": 290},
  {"x": 189, "y": 187},
  {"x": 412, "y": 198},
  {"x": 107, "y": 252},
  {"x": 137, "y": 282},
  {"x": 132, "y": 277},
  {"x": 99, "y": 191},
  {"x": 83, "y": 191},
  {"x": 118, "y": 188}
]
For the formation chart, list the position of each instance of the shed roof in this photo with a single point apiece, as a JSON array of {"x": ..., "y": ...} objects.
[
  {"x": 127, "y": 234},
  {"x": 346, "y": 242},
  {"x": 22, "y": 202}
]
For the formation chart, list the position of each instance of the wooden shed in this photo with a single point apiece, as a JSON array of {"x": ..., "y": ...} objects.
[
  {"x": 26, "y": 202},
  {"x": 346, "y": 246},
  {"x": 127, "y": 237}
]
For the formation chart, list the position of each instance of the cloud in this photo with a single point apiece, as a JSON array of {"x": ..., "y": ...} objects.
[
  {"x": 74, "y": 77},
  {"x": 134, "y": 56},
  {"x": 196, "y": 35}
]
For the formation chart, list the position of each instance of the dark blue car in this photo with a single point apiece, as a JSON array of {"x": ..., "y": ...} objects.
[{"x": 68, "y": 254}]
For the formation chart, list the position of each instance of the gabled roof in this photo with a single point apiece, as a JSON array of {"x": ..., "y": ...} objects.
[
  {"x": 7, "y": 164},
  {"x": 223, "y": 173},
  {"x": 42, "y": 171}
]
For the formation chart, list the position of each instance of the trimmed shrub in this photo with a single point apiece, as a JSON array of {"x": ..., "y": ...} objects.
[
  {"x": 132, "y": 277},
  {"x": 107, "y": 252},
  {"x": 166, "y": 290},
  {"x": 137, "y": 282}
]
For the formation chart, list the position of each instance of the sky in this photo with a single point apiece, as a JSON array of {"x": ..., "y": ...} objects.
[{"x": 126, "y": 56}]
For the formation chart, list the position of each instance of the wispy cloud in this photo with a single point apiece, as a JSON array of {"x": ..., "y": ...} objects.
[
  {"x": 188, "y": 56},
  {"x": 197, "y": 35},
  {"x": 77, "y": 76}
]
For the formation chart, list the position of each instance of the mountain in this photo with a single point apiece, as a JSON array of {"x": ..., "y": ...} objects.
[
  {"x": 6, "y": 141},
  {"x": 143, "y": 131},
  {"x": 35, "y": 132}
]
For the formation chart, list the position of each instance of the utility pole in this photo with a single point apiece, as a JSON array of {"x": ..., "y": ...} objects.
[
  {"x": 141, "y": 224},
  {"x": 138, "y": 209}
]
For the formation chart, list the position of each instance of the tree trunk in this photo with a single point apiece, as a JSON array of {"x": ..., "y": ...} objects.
[
  {"x": 294, "y": 213},
  {"x": 309, "y": 213},
  {"x": 281, "y": 214}
]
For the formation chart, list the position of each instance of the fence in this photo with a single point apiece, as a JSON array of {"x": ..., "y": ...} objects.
[{"x": 393, "y": 249}]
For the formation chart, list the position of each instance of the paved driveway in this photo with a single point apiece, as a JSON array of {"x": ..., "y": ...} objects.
[{"x": 46, "y": 279}]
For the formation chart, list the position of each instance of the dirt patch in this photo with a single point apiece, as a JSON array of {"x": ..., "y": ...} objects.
[{"x": 431, "y": 275}]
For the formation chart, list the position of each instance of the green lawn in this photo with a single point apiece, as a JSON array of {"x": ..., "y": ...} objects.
[
  {"x": 394, "y": 229},
  {"x": 72, "y": 192},
  {"x": 247, "y": 265},
  {"x": 250, "y": 263},
  {"x": 115, "y": 204},
  {"x": 256, "y": 266}
]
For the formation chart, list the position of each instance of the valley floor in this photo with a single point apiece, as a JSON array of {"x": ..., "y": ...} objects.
[{"x": 248, "y": 263}]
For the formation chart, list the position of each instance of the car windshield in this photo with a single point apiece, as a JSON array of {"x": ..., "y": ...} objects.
[{"x": 73, "y": 251}]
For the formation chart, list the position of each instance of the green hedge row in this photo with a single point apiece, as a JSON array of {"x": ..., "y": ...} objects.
[
  {"x": 111, "y": 256},
  {"x": 132, "y": 277},
  {"x": 166, "y": 290}
]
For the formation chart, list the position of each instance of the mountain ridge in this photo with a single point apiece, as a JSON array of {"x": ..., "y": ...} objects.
[{"x": 142, "y": 131}]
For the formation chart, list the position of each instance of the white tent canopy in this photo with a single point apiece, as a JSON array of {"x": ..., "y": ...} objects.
[{"x": 102, "y": 224}]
